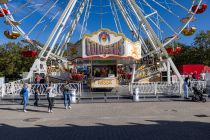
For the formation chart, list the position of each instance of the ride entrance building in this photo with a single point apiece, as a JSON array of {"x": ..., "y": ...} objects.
[{"x": 104, "y": 52}]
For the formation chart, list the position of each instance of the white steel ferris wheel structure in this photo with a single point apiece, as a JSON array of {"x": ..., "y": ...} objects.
[{"x": 149, "y": 21}]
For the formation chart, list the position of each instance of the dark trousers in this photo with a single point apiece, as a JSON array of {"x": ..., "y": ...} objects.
[
  {"x": 36, "y": 97},
  {"x": 50, "y": 101}
]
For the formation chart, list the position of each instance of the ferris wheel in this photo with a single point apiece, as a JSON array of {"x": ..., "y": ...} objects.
[{"x": 155, "y": 23}]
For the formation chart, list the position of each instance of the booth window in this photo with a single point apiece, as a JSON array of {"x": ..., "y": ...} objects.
[{"x": 104, "y": 71}]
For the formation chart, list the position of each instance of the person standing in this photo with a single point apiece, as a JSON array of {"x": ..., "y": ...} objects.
[
  {"x": 25, "y": 93},
  {"x": 186, "y": 87},
  {"x": 67, "y": 96},
  {"x": 50, "y": 97},
  {"x": 36, "y": 97}
]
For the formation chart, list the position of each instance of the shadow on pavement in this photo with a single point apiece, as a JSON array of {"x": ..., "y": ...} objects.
[{"x": 159, "y": 130}]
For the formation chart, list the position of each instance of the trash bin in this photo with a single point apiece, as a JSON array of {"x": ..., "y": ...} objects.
[
  {"x": 136, "y": 95},
  {"x": 73, "y": 95}
]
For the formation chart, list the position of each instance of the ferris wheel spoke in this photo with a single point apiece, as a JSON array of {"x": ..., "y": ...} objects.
[
  {"x": 162, "y": 19},
  {"x": 22, "y": 6},
  {"x": 75, "y": 20},
  {"x": 115, "y": 9},
  {"x": 180, "y": 5},
  {"x": 40, "y": 20},
  {"x": 32, "y": 12},
  {"x": 60, "y": 44},
  {"x": 171, "y": 12},
  {"x": 130, "y": 24},
  {"x": 116, "y": 19},
  {"x": 86, "y": 17},
  {"x": 48, "y": 24}
]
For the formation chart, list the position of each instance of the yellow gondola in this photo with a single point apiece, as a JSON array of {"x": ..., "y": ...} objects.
[
  {"x": 189, "y": 31},
  {"x": 13, "y": 35},
  {"x": 3, "y": 1}
]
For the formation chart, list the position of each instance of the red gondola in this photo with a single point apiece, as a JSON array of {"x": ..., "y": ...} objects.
[
  {"x": 3, "y": 12},
  {"x": 173, "y": 51},
  {"x": 28, "y": 53},
  {"x": 200, "y": 10}
]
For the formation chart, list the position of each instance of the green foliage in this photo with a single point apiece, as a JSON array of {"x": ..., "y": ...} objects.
[
  {"x": 198, "y": 53},
  {"x": 12, "y": 64}
]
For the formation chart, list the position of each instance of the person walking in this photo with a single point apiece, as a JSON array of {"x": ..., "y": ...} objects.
[
  {"x": 50, "y": 97},
  {"x": 67, "y": 96},
  {"x": 25, "y": 93},
  {"x": 36, "y": 97}
]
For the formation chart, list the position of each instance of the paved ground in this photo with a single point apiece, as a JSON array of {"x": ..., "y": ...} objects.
[{"x": 177, "y": 120}]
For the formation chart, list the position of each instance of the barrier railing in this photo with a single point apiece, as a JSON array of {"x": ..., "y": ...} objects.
[
  {"x": 157, "y": 88},
  {"x": 164, "y": 88},
  {"x": 13, "y": 89}
]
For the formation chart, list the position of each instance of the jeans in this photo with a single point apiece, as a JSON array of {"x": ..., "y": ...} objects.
[
  {"x": 186, "y": 89},
  {"x": 25, "y": 101},
  {"x": 50, "y": 101},
  {"x": 67, "y": 99}
]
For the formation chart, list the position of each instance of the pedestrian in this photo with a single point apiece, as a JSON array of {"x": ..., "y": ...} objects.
[
  {"x": 67, "y": 95},
  {"x": 36, "y": 97},
  {"x": 186, "y": 87},
  {"x": 50, "y": 97},
  {"x": 194, "y": 75},
  {"x": 25, "y": 92}
]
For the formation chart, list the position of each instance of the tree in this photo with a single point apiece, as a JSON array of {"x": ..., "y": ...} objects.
[
  {"x": 198, "y": 53},
  {"x": 12, "y": 64}
]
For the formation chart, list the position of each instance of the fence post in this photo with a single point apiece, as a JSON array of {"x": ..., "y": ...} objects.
[
  {"x": 3, "y": 90},
  {"x": 131, "y": 88},
  {"x": 180, "y": 87},
  {"x": 155, "y": 86}
]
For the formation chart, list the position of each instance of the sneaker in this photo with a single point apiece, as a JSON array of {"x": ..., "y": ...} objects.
[
  {"x": 51, "y": 111},
  {"x": 69, "y": 107},
  {"x": 66, "y": 107},
  {"x": 24, "y": 110},
  {"x": 48, "y": 110}
]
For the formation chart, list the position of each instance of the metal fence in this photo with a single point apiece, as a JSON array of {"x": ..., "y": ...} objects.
[
  {"x": 157, "y": 88},
  {"x": 13, "y": 89},
  {"x": 164, "y": 88}
]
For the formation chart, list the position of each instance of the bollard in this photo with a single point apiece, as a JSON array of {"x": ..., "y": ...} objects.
[
  {"x": 73, "y": 96},
  {"x": 136, "y": 95}
]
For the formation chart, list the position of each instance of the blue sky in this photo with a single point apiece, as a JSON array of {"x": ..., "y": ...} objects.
[{"x": 202, "y": 20}]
